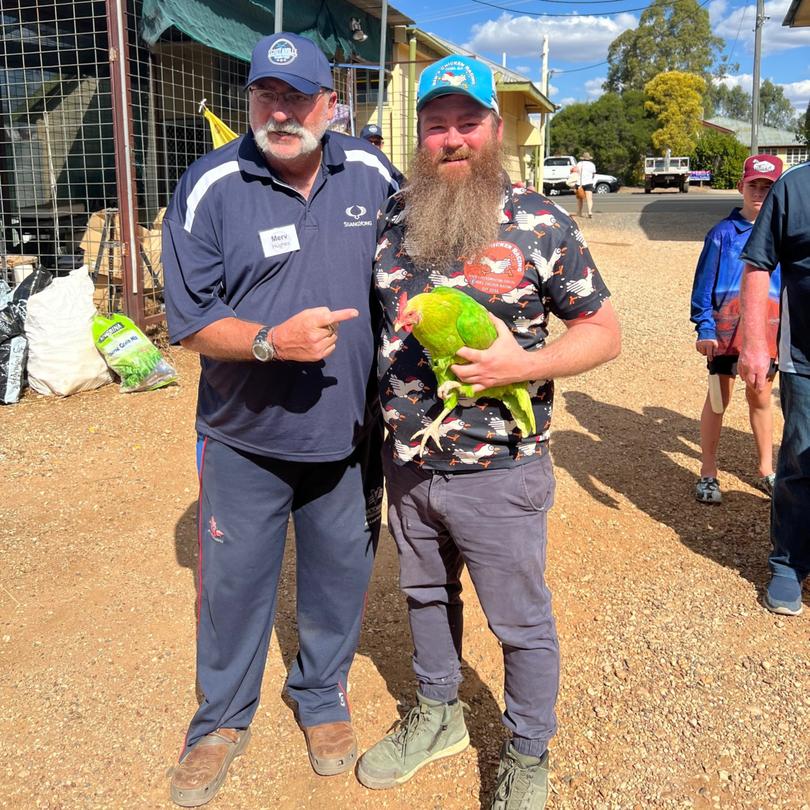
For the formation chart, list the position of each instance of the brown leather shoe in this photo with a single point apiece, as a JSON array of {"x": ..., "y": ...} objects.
[
  {"x": 199, "y": 774},
  {"x": 332, "y": 747}
]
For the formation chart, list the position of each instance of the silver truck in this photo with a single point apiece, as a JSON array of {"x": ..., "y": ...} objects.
[{"x": 666, "y": 172}]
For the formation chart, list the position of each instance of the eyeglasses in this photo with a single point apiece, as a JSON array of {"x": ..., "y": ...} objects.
[{"x": 269, "y": 98}]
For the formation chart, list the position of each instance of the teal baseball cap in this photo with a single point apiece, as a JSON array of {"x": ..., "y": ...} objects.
[{"x": 458, "y": 74}]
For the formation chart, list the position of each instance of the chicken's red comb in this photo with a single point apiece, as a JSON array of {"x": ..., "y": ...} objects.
[{"x": 402, "y": 304}]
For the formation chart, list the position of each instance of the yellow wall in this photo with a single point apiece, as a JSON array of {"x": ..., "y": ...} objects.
[{"x": 395, "y": 115}]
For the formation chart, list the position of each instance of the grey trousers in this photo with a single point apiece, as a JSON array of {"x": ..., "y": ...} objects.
[{"x": 494, "y": 521}]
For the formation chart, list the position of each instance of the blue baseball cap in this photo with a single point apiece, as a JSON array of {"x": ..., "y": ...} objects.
[
  {"x": 371, "y": 131},
  {"x": 292, "y": 59},
  {"x": 458, "y": 74}
]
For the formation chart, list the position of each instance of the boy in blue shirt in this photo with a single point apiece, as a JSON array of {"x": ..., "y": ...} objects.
[{"x": 716, "y": 315}]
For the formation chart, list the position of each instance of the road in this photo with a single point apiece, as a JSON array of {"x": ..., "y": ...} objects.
[{"x": 626, "y": 201}]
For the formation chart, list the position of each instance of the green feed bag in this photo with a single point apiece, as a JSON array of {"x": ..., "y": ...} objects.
[{"x": 130, "y": 354}]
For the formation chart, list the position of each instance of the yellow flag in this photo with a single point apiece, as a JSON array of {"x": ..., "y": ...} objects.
[{"x": 221, "y": 133}]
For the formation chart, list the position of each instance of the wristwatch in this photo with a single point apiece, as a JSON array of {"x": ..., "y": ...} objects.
[{"x": 263, "y": 349}]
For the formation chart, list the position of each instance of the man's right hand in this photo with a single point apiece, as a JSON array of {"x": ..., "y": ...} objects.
[
  {"x": 310, "y": 335},
  {"x": 753, "y": 366},
  {"x": 707, "y": 347}
]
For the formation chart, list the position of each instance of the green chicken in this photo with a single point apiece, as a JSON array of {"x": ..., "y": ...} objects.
[{"x": 443, "y": 321}]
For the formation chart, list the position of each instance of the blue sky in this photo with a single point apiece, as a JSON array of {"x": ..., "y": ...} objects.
[{"x": 579, "y": 43}]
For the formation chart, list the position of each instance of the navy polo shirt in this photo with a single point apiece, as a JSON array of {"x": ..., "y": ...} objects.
[
  {"x": 781, "y": 235},
  {"x": 238, "y": 242}
]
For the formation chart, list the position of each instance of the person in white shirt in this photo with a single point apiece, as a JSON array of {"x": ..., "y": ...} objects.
[{"x": 586, "y": 171}]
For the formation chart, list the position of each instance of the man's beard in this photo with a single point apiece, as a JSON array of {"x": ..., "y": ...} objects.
[
  {"x": 310, "y": 141},
  {"x": 452, "y": 214}
]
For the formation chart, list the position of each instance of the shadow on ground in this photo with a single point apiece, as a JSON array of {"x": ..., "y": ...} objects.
[
  {"x": 632, "y": 454},
  {"x": 682, "y": 220},
  {"x": 386, "y": 640}
]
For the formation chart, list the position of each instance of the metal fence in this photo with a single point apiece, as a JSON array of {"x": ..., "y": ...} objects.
[{"x": 92, "y": 145}]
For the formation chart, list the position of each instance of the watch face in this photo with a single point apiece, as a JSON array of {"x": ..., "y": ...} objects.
[{"x": 261, "y": 351}]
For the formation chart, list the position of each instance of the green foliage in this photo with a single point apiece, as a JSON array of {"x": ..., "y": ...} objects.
[
  {"x": 733, "y": 102},
  {"x": 614, "y": 129},
  {"x": 803, "y": 126},
  {"x": 774, "y": 109},
  {"x": 676, "y": 100},
  {"x": 722, "y": 154},
  {"x": 672, "y": 35}
]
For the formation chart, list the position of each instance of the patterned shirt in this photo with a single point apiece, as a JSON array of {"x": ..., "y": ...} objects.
[{"x": 539, "y": 264}]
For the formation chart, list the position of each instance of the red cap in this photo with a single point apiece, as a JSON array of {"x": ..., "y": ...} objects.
[{"x": 768, "y": 167}]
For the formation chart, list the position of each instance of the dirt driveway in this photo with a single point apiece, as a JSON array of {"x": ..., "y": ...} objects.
[{"x": 678, "y": 689}]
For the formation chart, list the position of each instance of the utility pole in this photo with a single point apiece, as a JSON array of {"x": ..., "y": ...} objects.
[
  {"x": 544, "y": 83},
  {"x": 755, "y": 89}
]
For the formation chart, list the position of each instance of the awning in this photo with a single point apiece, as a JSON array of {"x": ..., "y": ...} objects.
[{"x": 235, "y": 26}]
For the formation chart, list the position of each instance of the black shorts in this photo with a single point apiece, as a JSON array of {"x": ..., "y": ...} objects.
[
  {"x": 589, "y": 187},
  {"x": 727, "y": 364}
]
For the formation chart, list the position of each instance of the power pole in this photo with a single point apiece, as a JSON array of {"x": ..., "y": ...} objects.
[{"x": 755, "y": 89}]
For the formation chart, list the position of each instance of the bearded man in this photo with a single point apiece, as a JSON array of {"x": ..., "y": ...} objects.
[
  {"x": 268, "y": 247},
  {"x": 481, "y": 499}
]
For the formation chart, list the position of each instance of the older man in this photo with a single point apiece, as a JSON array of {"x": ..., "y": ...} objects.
[
  {"x": 481, "y": 499},
  {"x": 781, "y": 236},
  {"x": 268, "y": 251}
]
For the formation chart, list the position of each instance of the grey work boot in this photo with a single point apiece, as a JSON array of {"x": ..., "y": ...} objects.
[
  {"x": 431, "y": 730},
  {"x": 522, "y": 782}
]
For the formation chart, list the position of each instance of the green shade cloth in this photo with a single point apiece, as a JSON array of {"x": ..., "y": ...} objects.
[{"x": 235, "y": 26}]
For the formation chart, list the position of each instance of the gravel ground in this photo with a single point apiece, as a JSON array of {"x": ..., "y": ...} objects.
[{"x": 678, "y": 691}]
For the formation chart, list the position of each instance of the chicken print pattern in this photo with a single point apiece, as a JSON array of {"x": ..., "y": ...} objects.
[{"x": 539, "y": 265}]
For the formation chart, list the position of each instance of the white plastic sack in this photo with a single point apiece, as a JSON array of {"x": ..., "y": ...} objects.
[{"x": 62, "y": 356}]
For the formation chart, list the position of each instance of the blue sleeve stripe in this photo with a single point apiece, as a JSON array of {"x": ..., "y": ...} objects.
[
  {"x": 202, "y": 185},
  {"x": 359, "y": 156}
]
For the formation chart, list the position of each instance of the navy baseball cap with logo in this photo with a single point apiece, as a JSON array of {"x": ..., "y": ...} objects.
[
  {"x": 458, "y": 74},
  {"x": 292, "y": 59},
  {"x": 371, "y": 131}
]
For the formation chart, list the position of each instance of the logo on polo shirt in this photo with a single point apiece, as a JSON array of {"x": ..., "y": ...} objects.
[
  {"x": 282, "y": 52},
  {"x": 355, "y": 212}
]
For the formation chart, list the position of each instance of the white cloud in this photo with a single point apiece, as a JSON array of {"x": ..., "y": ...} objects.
[
  {"x": 798, "y": 93},
  {"x": 744, "y": 80},
  {"x": 568, "y": 100},
  {"x": 571, "y": 39},
  {"x": 738, "y": 25},
  {"x": 552, "y": 90},
  {"x": 593, "y": 87},
  {"x": 524, "y": 69}
]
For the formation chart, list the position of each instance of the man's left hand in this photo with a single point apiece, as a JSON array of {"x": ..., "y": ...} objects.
[{"x": 504, "y": 362}]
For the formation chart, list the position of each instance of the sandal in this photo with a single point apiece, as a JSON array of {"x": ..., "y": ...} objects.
[{"x": 765, "y": 484}]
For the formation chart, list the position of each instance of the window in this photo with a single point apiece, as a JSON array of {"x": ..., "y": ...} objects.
[
  {"x": 796, "y": 155},
  {"x": 552, "y": 161}
]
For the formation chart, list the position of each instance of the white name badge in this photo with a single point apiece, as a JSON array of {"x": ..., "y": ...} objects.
[{"x": 279, "y": 240}]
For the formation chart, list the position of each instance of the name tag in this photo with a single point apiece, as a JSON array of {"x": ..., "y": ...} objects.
[{"x": 279, "y": 240}]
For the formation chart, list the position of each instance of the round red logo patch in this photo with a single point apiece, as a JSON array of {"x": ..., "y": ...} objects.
[{"x": 497, "y": 269}]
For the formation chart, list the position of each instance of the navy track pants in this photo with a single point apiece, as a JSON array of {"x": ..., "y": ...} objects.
[{"x": 245, "y": 504}]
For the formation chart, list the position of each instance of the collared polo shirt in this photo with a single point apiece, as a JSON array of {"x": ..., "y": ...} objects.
[
  {"x": 238, "y": 242},
  {"x": 781, "y": 235},
  {"x": 539, "y": 265}
]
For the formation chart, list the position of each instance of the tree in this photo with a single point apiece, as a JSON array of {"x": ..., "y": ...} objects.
[
  {"x": 676, "y": 100},
  {"x": 721, "y": 154},
  {"x": 615, "y": 129},
  {"x": 803, "y": 126},
  {"x": 672, "y": 35},
  {"x": 774, "y": 109},
  {"x": 733, "y": 102}
]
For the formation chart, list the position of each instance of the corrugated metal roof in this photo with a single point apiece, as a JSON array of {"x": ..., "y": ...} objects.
[
  {"x": 766, "y": 136},
  {"x": 374, "y": 8}
]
